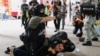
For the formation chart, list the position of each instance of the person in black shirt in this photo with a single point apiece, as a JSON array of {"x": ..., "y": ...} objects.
[
  {"x": 56, "y": 13},
  {"x": 35, "y": 30},
  {"x": 78, "y": 25}
]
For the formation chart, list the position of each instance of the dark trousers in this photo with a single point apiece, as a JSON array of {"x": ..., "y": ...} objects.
[
  {"x": 30, "y": 48},
  {"x": 63, "y": 22},
  {"x": 57, "y": 23},
  {"x": 20, "y": 51},
  {"x": 24, "y": 20},
  {"x": 77, "y": 28},
  {"x": 97, "y": 16},
  {"x": 25, "y": 50}
]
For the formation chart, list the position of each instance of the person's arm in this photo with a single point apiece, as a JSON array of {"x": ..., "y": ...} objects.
[
  {"x": 49, "y": 18},
  {"x": 51, "y": 50},
  {"x": 30, "y": 7}
]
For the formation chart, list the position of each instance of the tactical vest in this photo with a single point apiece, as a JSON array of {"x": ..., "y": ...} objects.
[
  {"x": 88, "y": 8},
  {"x": 37, "y": 33}
]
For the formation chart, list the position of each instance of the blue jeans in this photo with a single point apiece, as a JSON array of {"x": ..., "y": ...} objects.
[
  {"x": 5, "y": 16},
  {"x": 76, "y": 29}
]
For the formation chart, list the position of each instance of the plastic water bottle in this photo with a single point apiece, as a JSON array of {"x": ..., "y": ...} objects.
[{"x": 77, "y": 50}]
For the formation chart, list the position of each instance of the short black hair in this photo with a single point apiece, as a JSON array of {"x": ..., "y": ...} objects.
[
  {"x": 57, "y": 38},
  {"x": 69, "y": 47}
]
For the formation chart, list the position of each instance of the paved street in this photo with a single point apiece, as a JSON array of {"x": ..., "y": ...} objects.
[{"x": 11, "y": 29}]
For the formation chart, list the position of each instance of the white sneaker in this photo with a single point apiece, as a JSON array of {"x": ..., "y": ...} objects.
[{"x": 11, "y": 50}]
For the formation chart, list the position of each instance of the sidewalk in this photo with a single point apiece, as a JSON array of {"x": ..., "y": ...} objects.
[{"x": 11, "y": 29}]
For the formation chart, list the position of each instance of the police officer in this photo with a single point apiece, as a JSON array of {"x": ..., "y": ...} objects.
[
  {"x": 25, "y": 9},
  {"x": 89, "y": 28},
  {"x": 35, "y": 32},
  {"x": 88, "y": 10},
  {"x": 32, "y": 3}
]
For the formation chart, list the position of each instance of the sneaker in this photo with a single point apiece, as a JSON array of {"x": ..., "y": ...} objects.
[
  {"x": 87, "y": 43},
  {"x": 11, "y": 50},
  {"x": 81, "y": 39},
  {"x": 95, "y": 39},
  {"x": 7, "y": 51}
]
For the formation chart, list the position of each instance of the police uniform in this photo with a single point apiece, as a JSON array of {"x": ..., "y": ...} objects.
[
  {"x": 25, "y": 9},
  {"x": 89, "y": 28}
]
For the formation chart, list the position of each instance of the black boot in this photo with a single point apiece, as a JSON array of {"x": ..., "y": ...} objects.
[
  {"x": 95, "y": 39},
  {"x": 87, "y": 43},
  {"x": 9, "y": 49},
  {"x": 56, "y": 30},
  {"x": 81, "y": 39}
]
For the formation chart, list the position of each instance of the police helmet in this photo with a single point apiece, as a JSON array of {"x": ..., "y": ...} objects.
[{"x": 39, "y": 10}]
